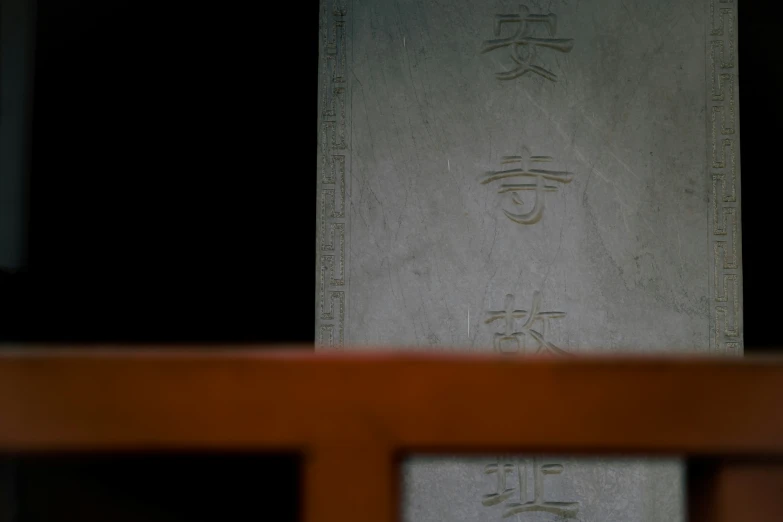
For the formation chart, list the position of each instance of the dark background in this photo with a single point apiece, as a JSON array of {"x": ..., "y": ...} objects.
[
  {"x": 152, "y": 488},
  {"x": 173, "y": 197},
  {"x": 172, "y": 192}
]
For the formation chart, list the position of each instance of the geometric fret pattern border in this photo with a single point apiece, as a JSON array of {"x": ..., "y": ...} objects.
[
  {"x": 334, "y": 164},
  {"x": 723, "y": 166}
]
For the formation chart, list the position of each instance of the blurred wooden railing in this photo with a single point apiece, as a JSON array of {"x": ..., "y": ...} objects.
[{"x": 354, "y": 415}]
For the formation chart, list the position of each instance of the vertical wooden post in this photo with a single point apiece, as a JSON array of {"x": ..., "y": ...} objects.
[
  {"x": 350, "y": 484},
  {"x": 735, "y": 491}
]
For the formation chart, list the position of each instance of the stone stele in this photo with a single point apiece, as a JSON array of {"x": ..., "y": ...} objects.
[{"x": 554, "y": 178}]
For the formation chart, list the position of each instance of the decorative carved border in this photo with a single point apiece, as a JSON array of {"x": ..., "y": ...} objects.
[
  {"x": 333, "y": 174},
  {"x": 723, "y": 166}
]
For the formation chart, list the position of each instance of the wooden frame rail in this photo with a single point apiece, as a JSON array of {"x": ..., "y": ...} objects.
[{"x": 353, "y": 415}]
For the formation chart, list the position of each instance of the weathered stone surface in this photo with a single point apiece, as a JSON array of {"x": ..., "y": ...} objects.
[
  {"x": 585, "y": 490},
  {"x": 552, "y": 176}
]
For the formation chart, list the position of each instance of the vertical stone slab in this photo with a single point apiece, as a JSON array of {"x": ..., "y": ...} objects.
[
  {"x": 531, "y": 178},
  {"x": 17, "y": 24}
]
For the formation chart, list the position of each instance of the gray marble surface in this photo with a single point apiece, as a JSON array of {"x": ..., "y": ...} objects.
[
  {"x": 543, "y": 177},
  {"x": 600, "y": 490}
]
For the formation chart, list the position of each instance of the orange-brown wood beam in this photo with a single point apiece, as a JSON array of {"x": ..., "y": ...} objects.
[
  {"x": 352, "y": 415},
  {"x": 249, "y": 400},
  {"x": 356, "y": 481}
]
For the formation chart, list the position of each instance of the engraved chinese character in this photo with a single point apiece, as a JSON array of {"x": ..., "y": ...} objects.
[
  {"x": 524, "y": 504},
  {"x": 510, "y": 341},
  {"x": 524, "y": 45},
  {"x": 540, "y": 182}
]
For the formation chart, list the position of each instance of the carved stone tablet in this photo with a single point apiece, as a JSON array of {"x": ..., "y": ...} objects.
[{"x": 530, "y": 178}]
